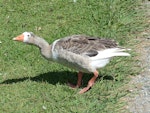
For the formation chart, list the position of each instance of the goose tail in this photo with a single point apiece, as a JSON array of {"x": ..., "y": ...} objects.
[{"x": 112, "y": 52}]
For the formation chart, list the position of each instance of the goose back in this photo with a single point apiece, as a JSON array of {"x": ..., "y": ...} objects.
[{"x": 85, "y": 45}]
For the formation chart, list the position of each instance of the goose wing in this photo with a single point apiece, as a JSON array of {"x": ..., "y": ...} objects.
[{"x": 85, "y": 45}]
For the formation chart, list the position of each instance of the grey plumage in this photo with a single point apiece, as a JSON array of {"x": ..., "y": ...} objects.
[{"x": 85, "y": 45}]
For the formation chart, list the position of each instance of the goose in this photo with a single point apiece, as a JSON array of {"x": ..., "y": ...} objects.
[{"x": 83, "y": 53}]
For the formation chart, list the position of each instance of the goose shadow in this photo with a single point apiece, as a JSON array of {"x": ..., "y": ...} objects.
[
  {"x": 50, "y": 77},
  {"x": 62, "y": 77}
]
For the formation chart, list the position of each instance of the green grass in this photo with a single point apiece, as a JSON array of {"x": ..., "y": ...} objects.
[{"x": 29, "y": 83}]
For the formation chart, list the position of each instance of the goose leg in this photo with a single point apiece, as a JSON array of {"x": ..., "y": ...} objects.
[
  {"x": 90, "y": 83},
  {"x": 79, "y": 81}
]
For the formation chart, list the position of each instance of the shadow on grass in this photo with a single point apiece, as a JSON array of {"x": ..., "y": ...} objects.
[
  {"x": 56, "y": 77},
  {"x": 50, "y": 77}
]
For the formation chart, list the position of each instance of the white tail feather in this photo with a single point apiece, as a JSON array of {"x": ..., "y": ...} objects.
[{"x": 108, "y": 53}]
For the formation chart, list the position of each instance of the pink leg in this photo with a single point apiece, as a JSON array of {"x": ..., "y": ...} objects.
[
  {"x": 90, "y": 83},
  {"x": 80, "y": 75}
]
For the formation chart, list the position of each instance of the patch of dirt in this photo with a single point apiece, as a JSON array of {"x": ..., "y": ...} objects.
[{"x": 139, "y": 100}]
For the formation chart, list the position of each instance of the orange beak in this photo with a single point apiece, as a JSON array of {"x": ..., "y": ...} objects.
[{"x": 19, "y": 38}]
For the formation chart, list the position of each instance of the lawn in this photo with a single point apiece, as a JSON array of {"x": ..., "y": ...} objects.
[{"x": 29, "y": 83}]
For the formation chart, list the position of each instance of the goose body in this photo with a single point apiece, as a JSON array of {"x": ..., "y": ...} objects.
[{"x": 82, "y": 53}]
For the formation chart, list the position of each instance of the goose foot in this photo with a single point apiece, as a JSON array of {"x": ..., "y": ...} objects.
[
  {"x": 90, "y": 83},
  {"x": 84, "y": 90},
  {"x": 72, "y": 85},
  {"x": 79, "y": 81}
]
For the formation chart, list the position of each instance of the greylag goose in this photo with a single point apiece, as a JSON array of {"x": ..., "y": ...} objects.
[{"x": 82, "y": 53}]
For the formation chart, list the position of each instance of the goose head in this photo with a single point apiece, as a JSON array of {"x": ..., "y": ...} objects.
[
  {"x": 30, "y": 38},
  {"x": 26, "y": 37}
]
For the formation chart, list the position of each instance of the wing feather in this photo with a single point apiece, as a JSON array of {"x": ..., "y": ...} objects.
[{"x": 85, "y": 45}]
